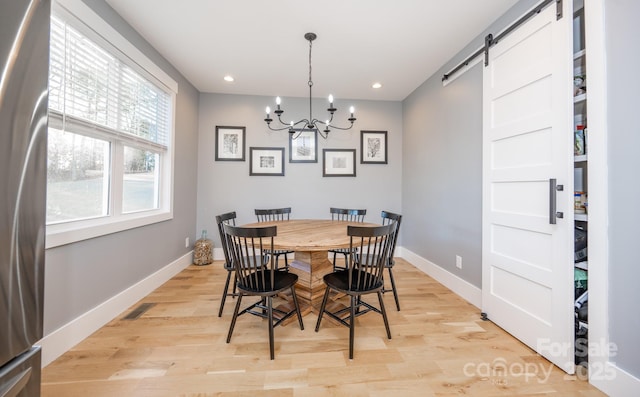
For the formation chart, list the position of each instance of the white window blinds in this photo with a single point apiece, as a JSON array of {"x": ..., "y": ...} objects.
[{"x": 92, "y": 92}]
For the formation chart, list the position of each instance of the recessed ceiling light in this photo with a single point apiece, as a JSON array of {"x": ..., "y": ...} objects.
[
  {"x": 229, "y": 78},
  {"x": 376, "y": 85}
]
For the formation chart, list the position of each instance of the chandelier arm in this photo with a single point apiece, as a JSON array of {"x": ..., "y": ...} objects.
[
  {"x": 280, "y": 120},
  {"x": 289, "y": 124},
  {"x": 278, "y": 129},
  {"x": 305, "y": 121},
  {"x": 342, "y": 128},
  {"x": 330, "y": 118},
  {"x": 323, "y": 122}
]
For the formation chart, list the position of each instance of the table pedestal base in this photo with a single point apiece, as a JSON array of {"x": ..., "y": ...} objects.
[{"x": 310, "y": 266}]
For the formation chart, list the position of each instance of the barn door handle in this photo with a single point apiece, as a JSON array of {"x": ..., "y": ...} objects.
[{"x": 553, "y": 213}]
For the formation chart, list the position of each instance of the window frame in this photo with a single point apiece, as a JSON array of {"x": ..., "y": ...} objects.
[{"x": 87, "y": 22}]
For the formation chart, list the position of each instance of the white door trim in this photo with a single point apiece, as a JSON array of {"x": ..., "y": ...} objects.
[{"x": 600, "y": 364}]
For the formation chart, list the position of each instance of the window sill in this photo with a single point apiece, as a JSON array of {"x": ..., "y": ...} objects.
[{"x": 67, "y": 233}]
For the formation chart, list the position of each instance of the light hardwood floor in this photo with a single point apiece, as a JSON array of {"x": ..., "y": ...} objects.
[{"x": 440, "y": 347}]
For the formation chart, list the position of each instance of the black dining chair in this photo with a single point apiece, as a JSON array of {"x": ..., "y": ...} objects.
[
  {"x": 344, "y": 214},
  {"x": 362, "y": 276},
  {"x": 272, "y": 215},
  {"x": 229, "y": 218},
  {"x": 394, "y": 219},
  {"x": 247, "y": 247}
]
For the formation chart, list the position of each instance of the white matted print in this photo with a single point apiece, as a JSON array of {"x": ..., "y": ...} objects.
[
  {"x": 303, "y": 146},
  {"x": 338, "y": 162},
  {"x": 373, "y": 147},
  {"x": 230, "y": 143},
  {"x": 266, "y": 161}
]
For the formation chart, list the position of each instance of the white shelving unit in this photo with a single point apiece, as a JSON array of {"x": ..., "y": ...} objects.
[
  {"x": 580, "y": 170},
  {"x": 580, "y": 158}
]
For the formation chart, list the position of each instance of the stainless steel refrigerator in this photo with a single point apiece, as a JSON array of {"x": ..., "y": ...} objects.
[{"x": 24, "y": 66}]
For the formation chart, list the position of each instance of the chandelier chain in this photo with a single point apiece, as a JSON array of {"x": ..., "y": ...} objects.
[{"x": 310, "y": 79}]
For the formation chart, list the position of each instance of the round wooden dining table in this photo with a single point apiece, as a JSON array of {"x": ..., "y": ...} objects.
[{"x": 310, "y": 239}]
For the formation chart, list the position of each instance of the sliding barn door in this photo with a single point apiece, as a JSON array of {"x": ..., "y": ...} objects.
[{"x": 527, "y": 279}]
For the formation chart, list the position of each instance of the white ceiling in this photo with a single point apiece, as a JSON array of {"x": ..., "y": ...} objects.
[{"x": 261, "y": 43}]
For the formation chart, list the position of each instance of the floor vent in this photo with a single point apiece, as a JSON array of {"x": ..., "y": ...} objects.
[{"x": 139, "y": 311}]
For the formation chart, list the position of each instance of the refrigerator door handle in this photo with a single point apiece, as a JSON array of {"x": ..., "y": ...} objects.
[{"x": 15, "y": 384}]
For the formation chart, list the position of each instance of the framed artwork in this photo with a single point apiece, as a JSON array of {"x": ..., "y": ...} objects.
[
  {"x": 338, "y": 162},
  {"x": 373, "y": 147},
  {"x": 303, "y": 146},
  {"x": 266, "y": 161},
  {"x": 230, "y": 143}
]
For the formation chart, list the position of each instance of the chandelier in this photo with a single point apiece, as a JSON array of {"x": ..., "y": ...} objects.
[{"x": 323, "y": 127}]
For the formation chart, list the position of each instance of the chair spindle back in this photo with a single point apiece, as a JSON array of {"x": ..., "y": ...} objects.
[
  {"x": 274, "y": 214},
  {"x": 345, "y": 214},
  {"x": 247, "y": 247}
]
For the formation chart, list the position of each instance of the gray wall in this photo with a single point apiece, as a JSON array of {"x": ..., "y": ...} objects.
[
  {"x": 80, "y": 276},
  {"x": 622, "y": 60},
  {"x": 226, "y": 185},
  {"x": 442, "y": 164}
]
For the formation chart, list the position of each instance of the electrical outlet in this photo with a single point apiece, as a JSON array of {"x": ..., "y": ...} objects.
[
  {"x": 186, "y": 242},
  {"x": 458, "y": 261}
]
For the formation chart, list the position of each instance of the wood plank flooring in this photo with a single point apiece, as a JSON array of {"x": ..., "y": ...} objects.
[{"x": 177, "y": 347}]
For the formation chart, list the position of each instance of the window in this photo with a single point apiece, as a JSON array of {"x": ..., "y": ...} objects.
[{"x": 109, "y": 165}]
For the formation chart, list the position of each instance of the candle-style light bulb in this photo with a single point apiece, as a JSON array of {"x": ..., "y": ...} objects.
[
  {"x": 291, "y": 124},
  {"x": 327, "y": 123},
  {"x": 268, "y": 109},
  {"x": 331, "y": 99},
  {"x": 278, "y": 101},
  {"x": 351, "y": 110}
]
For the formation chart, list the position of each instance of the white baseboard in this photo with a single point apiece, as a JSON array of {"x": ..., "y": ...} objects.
[
  {"x": 613, "y": 381},
  {"x": 466, "y": 290},
  {"x": 64, "y": 338}
]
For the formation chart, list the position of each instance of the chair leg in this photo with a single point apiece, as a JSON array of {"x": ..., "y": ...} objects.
[
  {"x": 235, "y": 283},
  {"x": 234, "y": 318},
  {"x": 286, "y": 263},
  {"x": 270, "y": 315},
  {"x": 297, "y": 306},
  {"x": 384, "y": 314},
  {"x": 393, "y": 288},
  {"x": 334, "y": 261},
  {"x": 224, "y": 293},
  {"x": 322, "y": 306},
  {"x": 352, "y": 325},
  {"x": 358, "y": 304}
]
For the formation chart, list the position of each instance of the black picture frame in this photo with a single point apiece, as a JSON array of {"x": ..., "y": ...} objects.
[
  {"x": 373, "y": 147},
  {"x": 266, "y": 161},
  {"x": 338, "y": 162},
  {"x": 230, "y": 143},
  {"x": 303, "y": 146}
]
